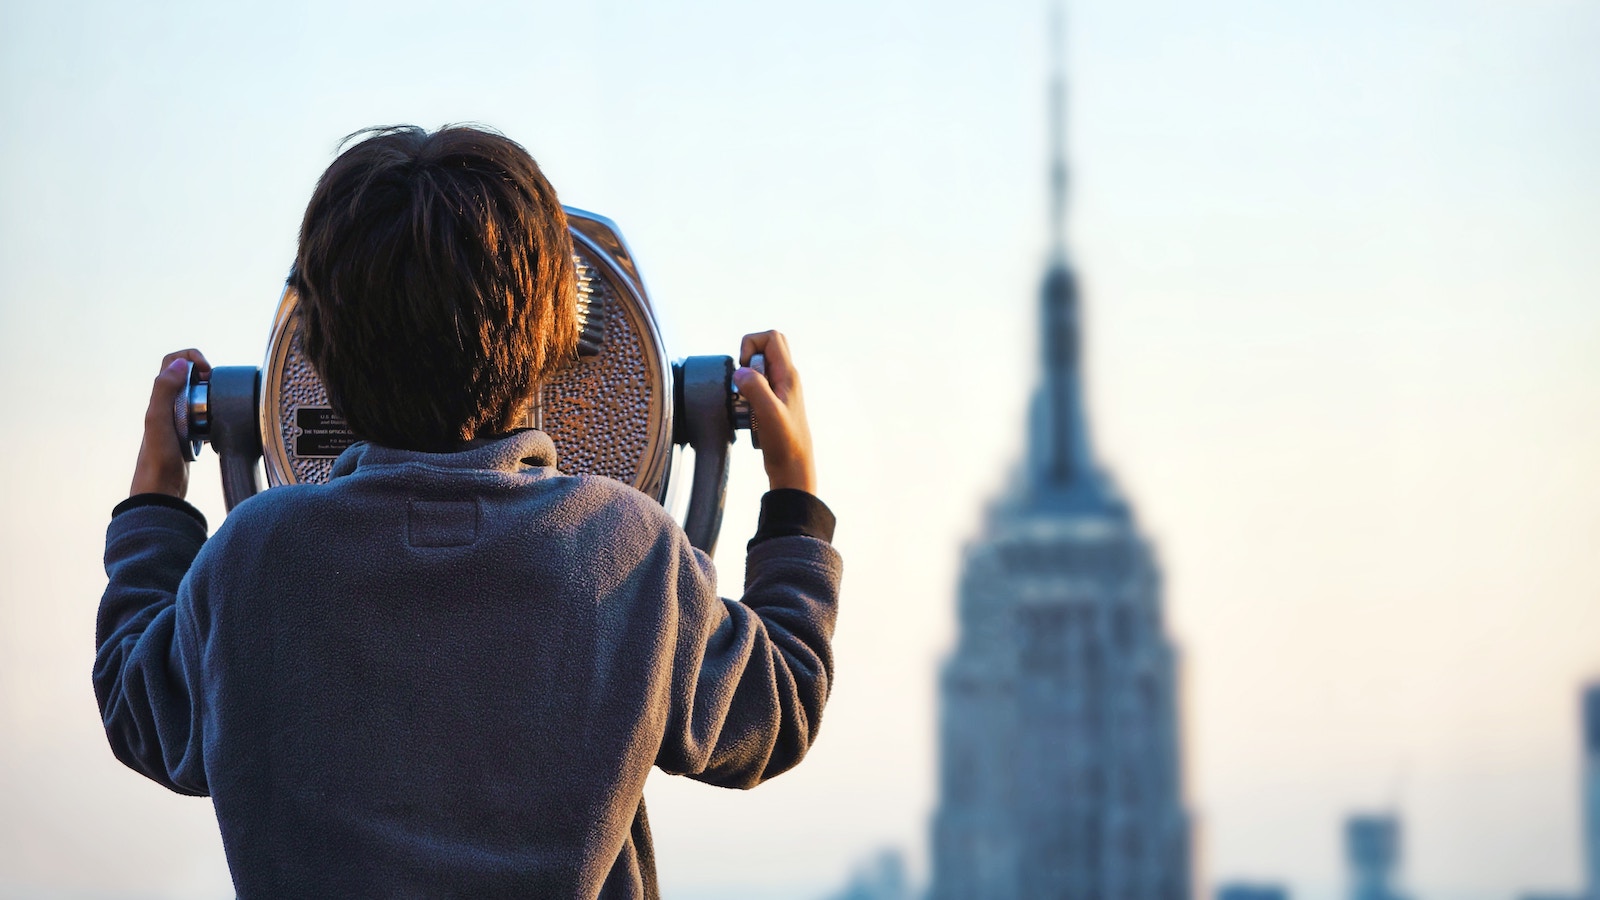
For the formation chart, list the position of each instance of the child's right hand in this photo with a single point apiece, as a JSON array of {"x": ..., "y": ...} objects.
[
  {"x": 780, "y": 410},
  {"x": 161, "y": 468}
]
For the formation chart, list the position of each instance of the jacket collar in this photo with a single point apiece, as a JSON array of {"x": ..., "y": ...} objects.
[{"x": 511, "y": 452}]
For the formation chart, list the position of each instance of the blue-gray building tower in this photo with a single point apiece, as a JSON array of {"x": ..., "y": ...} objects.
[
  {"x": 1591, "y": 791},
  {"x": 1372, "y": 848},
  {"x": 1059, "y": 738}
]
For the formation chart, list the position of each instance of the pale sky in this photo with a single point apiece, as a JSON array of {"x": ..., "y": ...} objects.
[{"x": 1343, "y": 290}]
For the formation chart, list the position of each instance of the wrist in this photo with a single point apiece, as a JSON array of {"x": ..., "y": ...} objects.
[
  {"x": 802, "y": 480},
  {"x": 173, "y": 484},
  {"x": 160, "y": 467},
  {"x": 140, "y": 487}
]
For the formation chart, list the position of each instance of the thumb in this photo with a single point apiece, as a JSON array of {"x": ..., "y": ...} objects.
[
  {"x": 175, "y": 373},
  {"x": 164, "y": 393},
  {"x": 757, "y": 391}
]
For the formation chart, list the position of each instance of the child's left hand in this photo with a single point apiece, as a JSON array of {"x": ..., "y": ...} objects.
[{"x": 161, "y": 468}]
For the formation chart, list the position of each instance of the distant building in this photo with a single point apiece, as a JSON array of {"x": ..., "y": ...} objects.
[
  {"x": 1059, "y": 749},
  {"x": 1591, "y": 790},
  {"x": 881, "y": 878},
  {"x": 1248, "y": 891},
  {"x": 1372, "y": 850}
]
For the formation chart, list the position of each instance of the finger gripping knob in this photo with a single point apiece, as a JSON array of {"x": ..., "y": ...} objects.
[{"x": 743, "y": 416}]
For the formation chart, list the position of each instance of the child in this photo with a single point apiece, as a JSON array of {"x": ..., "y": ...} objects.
[{"x": 447, "y": 671}]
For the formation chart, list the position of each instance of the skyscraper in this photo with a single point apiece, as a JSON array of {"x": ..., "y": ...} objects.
[
  {"x": 1591, "y": 790},
  {"x": 1059, "y": 763},
  {"x": 1372, "y": 848}
]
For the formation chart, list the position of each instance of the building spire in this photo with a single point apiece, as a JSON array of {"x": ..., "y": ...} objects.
[{"x": 1061, "y": 462}]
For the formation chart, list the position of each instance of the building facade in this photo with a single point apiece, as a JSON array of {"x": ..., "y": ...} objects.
[
  {"x": 1059, "y": 740},
  {"x": 1591, "y": 790},
  {"x": 1372, "y": 849},
  {"x": 1250, "y": 891}
]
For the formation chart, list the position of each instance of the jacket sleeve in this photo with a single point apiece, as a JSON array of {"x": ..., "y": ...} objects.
[
  {"x": 145, "y": 667},
  {"x": 750, "y": 678}
]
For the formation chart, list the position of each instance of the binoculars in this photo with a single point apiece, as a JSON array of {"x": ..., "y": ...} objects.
[{"x": 621, "y": 409}]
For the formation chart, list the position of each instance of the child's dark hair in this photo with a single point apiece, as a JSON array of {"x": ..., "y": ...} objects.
[{"x": 436, "y": 284}]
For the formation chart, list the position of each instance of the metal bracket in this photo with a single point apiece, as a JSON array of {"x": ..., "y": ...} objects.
[
  {"x": 704, "y": 420},
  {"x": 235, "y": 434}
]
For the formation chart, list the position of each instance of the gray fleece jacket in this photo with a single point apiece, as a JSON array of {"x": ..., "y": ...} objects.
[{"x": 447, "y": 675}]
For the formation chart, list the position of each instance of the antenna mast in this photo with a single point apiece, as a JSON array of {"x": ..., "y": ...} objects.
[{"x": 1058, "y": 140}]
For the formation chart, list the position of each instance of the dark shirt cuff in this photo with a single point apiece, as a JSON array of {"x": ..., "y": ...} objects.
[
  {"x": 788, "y": 512},
  {"x": 167, "y": 500}
]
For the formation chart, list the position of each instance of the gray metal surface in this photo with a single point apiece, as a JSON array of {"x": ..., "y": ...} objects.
[
  {"x": 706, "y": 424},
  {"x": 234, "y": 434}
]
